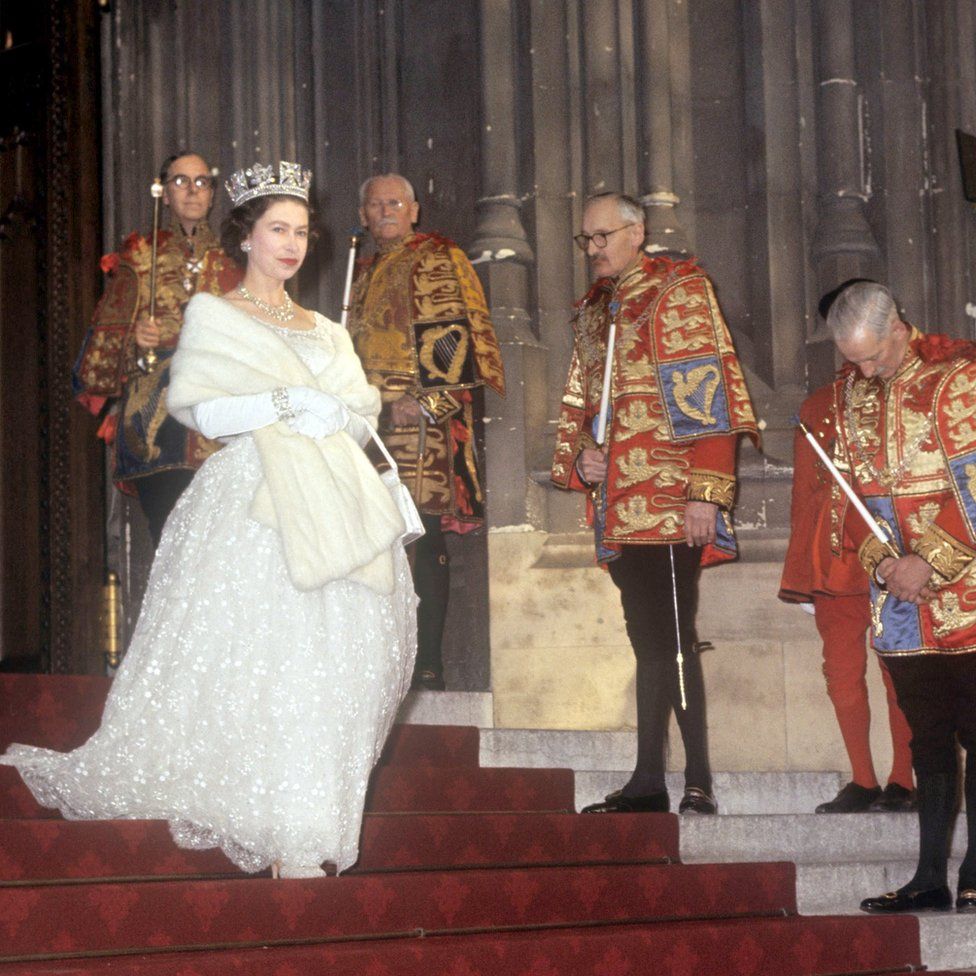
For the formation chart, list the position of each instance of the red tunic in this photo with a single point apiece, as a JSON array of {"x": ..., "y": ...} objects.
[
  {"x": 811, "y": 565},
  {"x": 679, "y": 403}
]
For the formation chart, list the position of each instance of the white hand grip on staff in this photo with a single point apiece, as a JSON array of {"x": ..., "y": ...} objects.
[
  {"x": 601, "y": 423},
  {"x": 869, "y": 520}
]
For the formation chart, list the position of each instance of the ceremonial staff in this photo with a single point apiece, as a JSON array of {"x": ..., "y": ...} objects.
[
  {"x": 147, "y": 363},
  {"x": 354, "y": 236},
  {"x": 869, "y": 519}
]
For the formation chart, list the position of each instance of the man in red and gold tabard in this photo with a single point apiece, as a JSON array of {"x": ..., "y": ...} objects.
[
  {"x": 907, "y": 439},
  {"x": 837, "y": 588},
  {"x": 154, "y": 455},
  {"x": 420, "y": 325},
  {"x": 661, "y": 489}
]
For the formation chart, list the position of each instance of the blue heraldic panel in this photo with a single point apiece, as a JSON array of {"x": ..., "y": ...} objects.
[
  {"x": 897, "y": 627},
  {"x": 964, "y": 474},
  {"x": 694, "y": 397},
  {"x": 725, "y": 535}
]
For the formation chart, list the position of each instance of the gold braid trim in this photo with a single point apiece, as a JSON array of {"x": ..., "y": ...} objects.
[
  {"x": 711, "y": 486},
  {"x": 872, "y": 552},
  {"x": 439, "y": 404},
  {"x": 946, "y": 555}
]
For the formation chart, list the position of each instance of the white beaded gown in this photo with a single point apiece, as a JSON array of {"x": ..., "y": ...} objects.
[{"x": 247, "y": 713}]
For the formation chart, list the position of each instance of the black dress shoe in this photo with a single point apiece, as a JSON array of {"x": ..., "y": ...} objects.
[
  {"x": 966, "y": 901},
  {"x": 616, "y": 802},
  {"x": 851, "y": 799},
  {"x": 907, "y": 900},
  {"x": 895, "y": 799},
  {"x": 697, "y": 801},
  {"x": 427, "y": 681}
]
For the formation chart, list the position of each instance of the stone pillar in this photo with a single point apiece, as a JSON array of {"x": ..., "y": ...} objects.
[
  {"x": 502, "y": 255},
  {"x": 896, "y": 91},
  {"x": 664, "y": 229},
  {"x": 952, "y": 105},
  {"x": 844, "y": 246},
  {"x": 776, "y": 245},
  {"x": 603, "y": 94}
]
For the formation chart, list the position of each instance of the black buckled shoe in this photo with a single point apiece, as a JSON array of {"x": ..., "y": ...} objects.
[
  {"x": 908, "y": 900},
  {"x": 851, "y": 799},
  {"x": 616, "y": 802},
  {"x": 895, "y": 799},
  {"x": 697, "y": 801},
  {"x": 966, "y": 901}
]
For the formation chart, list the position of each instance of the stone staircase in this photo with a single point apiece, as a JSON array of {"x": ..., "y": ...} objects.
[{"x": 764, "y": 816}]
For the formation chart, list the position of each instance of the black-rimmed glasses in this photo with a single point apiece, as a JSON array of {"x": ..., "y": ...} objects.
[{"x": 599, "y": 239}]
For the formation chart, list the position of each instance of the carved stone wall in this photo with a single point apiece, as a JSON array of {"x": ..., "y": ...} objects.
[{"x": 789, "y": 144}]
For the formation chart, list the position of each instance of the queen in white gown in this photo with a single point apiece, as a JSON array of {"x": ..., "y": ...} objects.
[{"x": 277, "y": 633}]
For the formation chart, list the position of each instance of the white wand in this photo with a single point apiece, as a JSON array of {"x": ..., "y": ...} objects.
[
  {"x": 601, "y": 423},
  {"x": 350, "y": 268},
  {"x": 869, "y": 520}
]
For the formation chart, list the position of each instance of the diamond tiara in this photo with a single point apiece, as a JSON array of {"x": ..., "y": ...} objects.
[{"x": 259, "y": 181}]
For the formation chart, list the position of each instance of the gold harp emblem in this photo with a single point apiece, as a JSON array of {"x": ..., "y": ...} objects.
[
  {"x": 443, "y": 351},
  {"x": 698, "y": 384}
]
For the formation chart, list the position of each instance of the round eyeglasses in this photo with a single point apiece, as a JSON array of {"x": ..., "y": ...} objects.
[
  {"x": 599, "y": 239},
  {"x": 184, "y": 182}
]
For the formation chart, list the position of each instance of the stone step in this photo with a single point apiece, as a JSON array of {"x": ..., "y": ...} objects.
[
  {"x": 807, "y": 838},
  {"x": 736, "y": 793},
  {"x": 838, "y": 887},
  {"x": 948, "y": 941},
  {"x": 447, "y": 708}
]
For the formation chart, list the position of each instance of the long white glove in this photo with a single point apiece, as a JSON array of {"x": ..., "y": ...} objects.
[
  {"x": 227, "y": 416},
  {"x": 306, "y": 411},
  {"x": 317, "y": 414}
]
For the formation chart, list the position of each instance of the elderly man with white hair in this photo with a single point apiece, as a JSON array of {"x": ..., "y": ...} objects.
[
  {"x": 906, "y": 437},
  {"x": 420, "y": 324}
]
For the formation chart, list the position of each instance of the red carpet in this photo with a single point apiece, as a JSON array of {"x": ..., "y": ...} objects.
[{"x": 464, "y": 872}]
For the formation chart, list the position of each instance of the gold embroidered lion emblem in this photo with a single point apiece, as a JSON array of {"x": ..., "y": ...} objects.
[{"x": 922, "y": 519}]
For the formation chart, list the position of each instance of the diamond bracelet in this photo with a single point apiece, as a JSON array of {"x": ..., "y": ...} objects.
[{"x": 282, "y": 404}]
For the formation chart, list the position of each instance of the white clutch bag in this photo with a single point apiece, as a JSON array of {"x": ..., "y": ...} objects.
[{"x": 401, "y": 496}]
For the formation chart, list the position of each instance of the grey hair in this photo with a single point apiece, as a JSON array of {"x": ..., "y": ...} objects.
[
  {"x": 407, "y": 186},
  {"x": 628, "y": 208},
  {"x": 865, "y": 306}
]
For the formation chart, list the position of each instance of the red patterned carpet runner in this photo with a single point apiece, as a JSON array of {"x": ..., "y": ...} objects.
[{"x": 464, "y": 872}]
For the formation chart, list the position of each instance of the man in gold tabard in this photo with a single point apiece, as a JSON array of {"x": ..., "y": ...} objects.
[
  {"x": 154, "y": 456},
  {"x": 420, "y": 324},
  {"x": 906, "y": 440}
]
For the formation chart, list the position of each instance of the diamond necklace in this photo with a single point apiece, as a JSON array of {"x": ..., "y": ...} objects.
[
  {"x": 284, "y": 312},
  {"x": 886, "y": 477}
]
